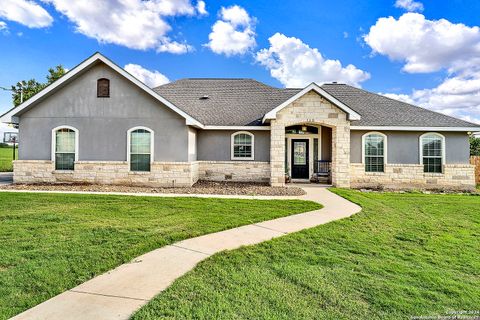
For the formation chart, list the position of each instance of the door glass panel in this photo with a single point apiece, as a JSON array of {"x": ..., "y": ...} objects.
[{"x": 300, "y": 153}]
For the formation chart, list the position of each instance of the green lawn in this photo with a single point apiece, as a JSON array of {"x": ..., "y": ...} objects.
[
  {"x": 6, "y": 156},
  {"x": 51, "y": 242},
  {"x": 404, "y": 255}
]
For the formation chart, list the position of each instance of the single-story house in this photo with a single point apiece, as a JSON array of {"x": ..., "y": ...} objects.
[{"x": 99, "y": 124}]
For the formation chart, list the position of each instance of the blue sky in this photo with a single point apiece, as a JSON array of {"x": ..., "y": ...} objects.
[{"x": 424, "y": 52}]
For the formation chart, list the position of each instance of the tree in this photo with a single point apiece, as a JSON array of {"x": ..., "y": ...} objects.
[
  {"x": 32, "y": 86},
  {"x": 474, "y": 146}
]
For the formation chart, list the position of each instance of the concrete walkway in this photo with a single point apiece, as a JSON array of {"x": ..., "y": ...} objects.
[{"x": 118, "y": 293}]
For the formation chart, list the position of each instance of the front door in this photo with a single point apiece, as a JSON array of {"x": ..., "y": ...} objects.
[{"x": 300, "y": 159}]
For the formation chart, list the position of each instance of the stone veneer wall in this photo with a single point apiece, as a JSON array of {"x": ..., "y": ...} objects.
[
  {"x": 242, "y": 171},
  {"x": 411, "y": 176},
  {"x": 162, "y": 174},
  {"x": 312, "y": 109}
]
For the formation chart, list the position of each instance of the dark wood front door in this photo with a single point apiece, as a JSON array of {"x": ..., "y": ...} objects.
[{"x": 300, "y": 159}]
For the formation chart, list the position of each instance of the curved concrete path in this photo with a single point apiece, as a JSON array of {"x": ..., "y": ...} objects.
[{"x": 118, "y": 293}]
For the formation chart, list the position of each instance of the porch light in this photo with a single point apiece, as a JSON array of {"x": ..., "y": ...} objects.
[{"x": 304, "y": 128}]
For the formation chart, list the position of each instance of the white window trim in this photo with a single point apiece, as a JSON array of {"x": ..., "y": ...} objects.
[
  {"x": 54, "y": 140},
  {"x": 232, "y": 137},
  {"x": 152, "y": 140},
  {"x": 442, "y": 137},
  {"x": 385, "y": 147}
]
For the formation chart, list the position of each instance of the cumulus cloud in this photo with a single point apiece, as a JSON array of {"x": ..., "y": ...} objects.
[
  {"x": 25, "y": 12},
  {"x": 3, "y": 26},
  {"x": 234, "y": 33},
  {"x": 409, "y": 5},
  {"x": 429, "y": 46},
  {"x": 295, "y": 64},
  {"x": 150, "y": 78},
  {"x": 135, "y": 24},
  {"x": 201, "y": 8},
  {"x": 457, "y": 96},
  {"x": 425, "y": 45}
]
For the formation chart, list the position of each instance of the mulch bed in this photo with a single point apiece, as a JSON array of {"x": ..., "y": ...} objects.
[{"x": 201, "y": 187}]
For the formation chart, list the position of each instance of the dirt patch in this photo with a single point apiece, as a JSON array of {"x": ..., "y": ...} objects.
[{"x": 201, "y": 187}]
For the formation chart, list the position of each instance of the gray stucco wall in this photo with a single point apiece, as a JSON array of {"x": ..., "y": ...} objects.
[
  {"x": 215, "y": 145},
  {"x": 403, "y": 147},
  {"x": 102, "y": 122}
]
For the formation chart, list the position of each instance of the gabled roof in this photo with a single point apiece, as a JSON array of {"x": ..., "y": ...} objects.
[
  {"x": 221, "y": 103},
  {"x": 352, "y": 115},
  {"x": 10, "y": 115}
]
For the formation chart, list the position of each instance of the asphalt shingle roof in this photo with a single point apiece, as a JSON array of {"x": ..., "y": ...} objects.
[
  {"x": 244, "y": 102},
  {"x": 231, "y": 102}
]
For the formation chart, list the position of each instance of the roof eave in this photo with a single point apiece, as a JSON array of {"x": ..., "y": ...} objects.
[{"x": 413, "y": 128}]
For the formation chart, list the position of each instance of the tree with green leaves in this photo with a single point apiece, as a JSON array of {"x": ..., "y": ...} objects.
[
  {"x": 474, "y": 146},
  {"x": 31, "y": 87}
]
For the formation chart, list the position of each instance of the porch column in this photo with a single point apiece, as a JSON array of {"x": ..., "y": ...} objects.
[
  {"x": 277, "y": 154},
  {"x": 341, "y": 155}
]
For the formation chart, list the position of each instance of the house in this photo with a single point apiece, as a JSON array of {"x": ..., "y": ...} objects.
[
  {"x": 99, "y": 124},
  {"x": 8, "y": 134}
]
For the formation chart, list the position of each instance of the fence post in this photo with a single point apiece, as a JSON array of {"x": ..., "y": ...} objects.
[{"x": 475, "y": 160}]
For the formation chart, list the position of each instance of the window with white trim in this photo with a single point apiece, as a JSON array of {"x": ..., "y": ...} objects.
[
  {"x": 431, "y": 152},
  {"x": 65, "y": 144},
  {"x": 140, "y": 148},
  {"x": 242, "y": 146},
  {"x": 374, "y": 149}
]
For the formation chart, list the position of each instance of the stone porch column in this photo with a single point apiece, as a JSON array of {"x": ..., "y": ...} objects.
[
  {"x": 341, "y": 156},
  {"x": 277, "y": 154}
]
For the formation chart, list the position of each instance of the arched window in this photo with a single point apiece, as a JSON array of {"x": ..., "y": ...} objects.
[
  {"x": 140, "y": 148},
  {"x": 242, "y": 146},
  {"x": 432, "y": 152},
  {"x": 374, "y": 150},
  {"x": 64, "y": 147},
  {"x": 103, "y": 88}
]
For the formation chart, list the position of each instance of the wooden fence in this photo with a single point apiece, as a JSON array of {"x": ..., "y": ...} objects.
[{"x": 475, "y": 160}]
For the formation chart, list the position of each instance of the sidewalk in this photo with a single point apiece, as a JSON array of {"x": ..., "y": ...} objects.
[{"x": 118, "y": 293}]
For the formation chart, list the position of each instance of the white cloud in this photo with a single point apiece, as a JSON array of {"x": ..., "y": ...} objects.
[
  {"x": 295, "y": 64},
  {"x": 429, "y": 46},
  {"x": 425, "y": 45},
  {"x": 150, "y": 78},
  {"x": 409, "y": 5},
  {"x": 234, "y": 33},
  {"x": 135, "y": 24},
  {"x": 3, "y": 26},
  {"x": 201, "y": 8},
  {"x": 457, "y": 96},
  {"x": 25, "y": 12}
]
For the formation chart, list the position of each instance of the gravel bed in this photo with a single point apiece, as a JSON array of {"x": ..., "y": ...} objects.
[{"x": 201, "y": 187}]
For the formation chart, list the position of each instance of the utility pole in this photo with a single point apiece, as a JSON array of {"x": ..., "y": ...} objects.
[{"x": 21, "y": 91}]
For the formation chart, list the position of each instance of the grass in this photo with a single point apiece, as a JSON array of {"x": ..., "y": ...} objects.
[
  {"x": 6, "y": 156},
  {"x": 51, "y": 242},
  {"x": 404, "y": 255}
]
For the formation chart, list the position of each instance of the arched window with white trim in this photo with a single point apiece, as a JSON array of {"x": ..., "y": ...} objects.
[
  {"x": 64, "y": 147},
  {"x": 242, "y": 146},
  {"x": 374, "y": 151},
  {"x": 140, "y": 148},
  {"x": 432, "y": 152}
]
